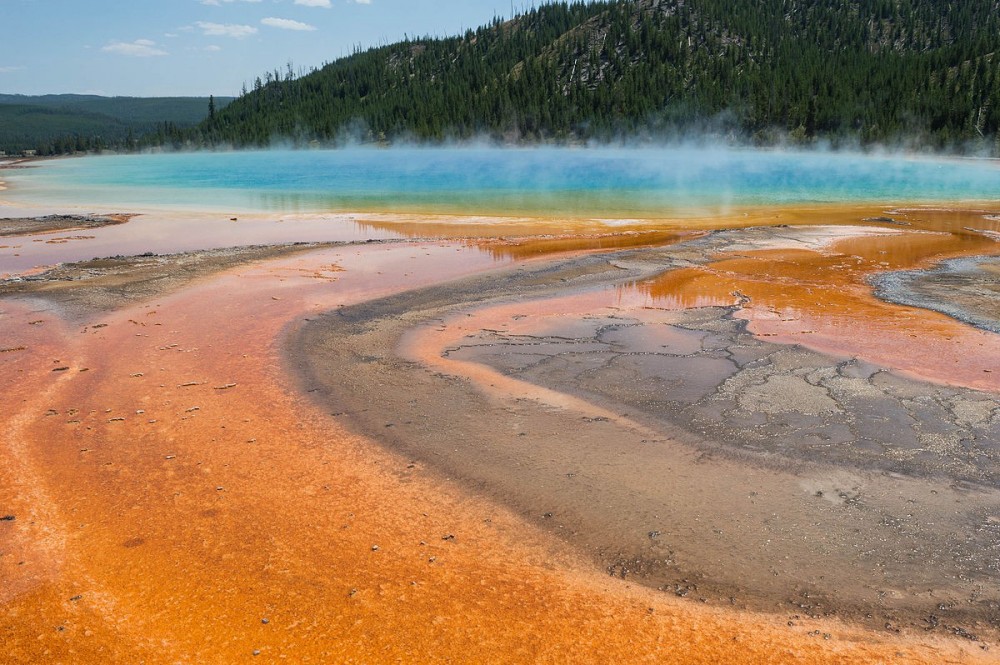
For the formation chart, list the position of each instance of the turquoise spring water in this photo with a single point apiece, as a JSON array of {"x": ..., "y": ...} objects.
[{"x": 614, "y": 182}]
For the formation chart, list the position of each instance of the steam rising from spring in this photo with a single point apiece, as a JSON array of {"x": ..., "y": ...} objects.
[{"x": 611, "y": 182}]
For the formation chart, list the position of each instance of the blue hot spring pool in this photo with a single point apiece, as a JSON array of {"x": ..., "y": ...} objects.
[{"x": 613, "y": 182}]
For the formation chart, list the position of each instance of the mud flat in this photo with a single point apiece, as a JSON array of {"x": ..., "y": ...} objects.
[
  {"x": 174, "y": 495},
  {"x": 83, "y": 288},
  {"x": 967, "y": 289},
  {"x": 23, "y": 226},
  {"x": 678, "y": 450}
]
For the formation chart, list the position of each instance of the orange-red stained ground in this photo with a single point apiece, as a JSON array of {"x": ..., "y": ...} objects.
[
  {"x": 176, "y": 499},
  {"x": 821, "y": 299}
]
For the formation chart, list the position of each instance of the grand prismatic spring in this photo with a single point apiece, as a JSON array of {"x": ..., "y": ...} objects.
[{"x": 470, "y": 405}]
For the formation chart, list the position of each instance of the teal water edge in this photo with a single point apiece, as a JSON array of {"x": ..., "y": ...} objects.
[{"x": 616, "y": 182}]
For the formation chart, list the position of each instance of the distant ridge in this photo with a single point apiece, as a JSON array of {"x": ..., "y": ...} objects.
[
  {"x": 66, "y": 123},
  {"x": 922, "y": 73}
]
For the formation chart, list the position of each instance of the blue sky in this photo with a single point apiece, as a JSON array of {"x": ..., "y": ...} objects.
[{"x": 201, "y": 47}]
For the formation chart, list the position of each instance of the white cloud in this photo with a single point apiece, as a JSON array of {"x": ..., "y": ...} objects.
[
  {"x": 9, "y": 69},
  {"x": 226, "y": 29},
  {"x": 363, "y": 2},
  {"x": 211, "y": 48},
  {"x": 140, "y": 48},
  {"x": 286, "y": 24},
  {"x": 314, "y": 3}
]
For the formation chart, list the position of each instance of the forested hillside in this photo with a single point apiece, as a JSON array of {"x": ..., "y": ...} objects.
[
  {"x": 924, "y": 72},
  {"x": 54, "y": 124}
]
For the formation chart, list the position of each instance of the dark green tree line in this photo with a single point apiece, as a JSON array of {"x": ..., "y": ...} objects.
[{"x": 917, "y": 72}]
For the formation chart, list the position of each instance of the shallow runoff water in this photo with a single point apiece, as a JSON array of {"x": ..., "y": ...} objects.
[{"x": 614, "y": 182}]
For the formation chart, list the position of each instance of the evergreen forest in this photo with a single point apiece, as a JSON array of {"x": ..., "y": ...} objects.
[
  {"x": 918, "y": 74},
  {"x": 59, "y": 124}
]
